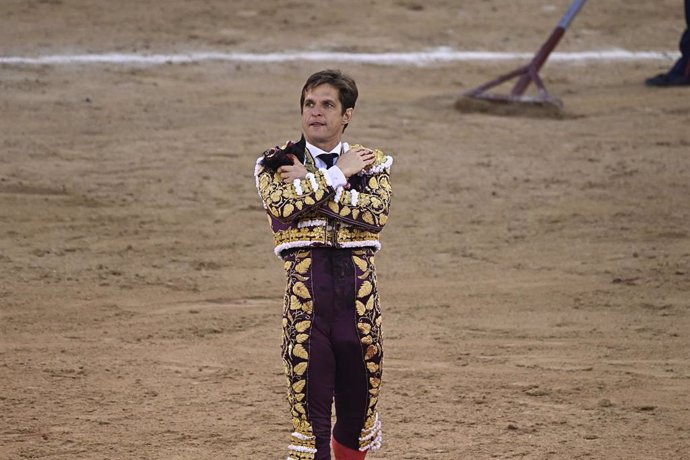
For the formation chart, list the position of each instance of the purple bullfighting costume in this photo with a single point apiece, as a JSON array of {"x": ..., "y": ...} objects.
[{"x": 332, "y": 341}]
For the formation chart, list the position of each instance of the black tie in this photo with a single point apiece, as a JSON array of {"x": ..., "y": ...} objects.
[{"x": 328, "y": 158}]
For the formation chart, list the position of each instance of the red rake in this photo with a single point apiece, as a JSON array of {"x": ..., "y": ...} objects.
[{"x": 529, "y": 73}]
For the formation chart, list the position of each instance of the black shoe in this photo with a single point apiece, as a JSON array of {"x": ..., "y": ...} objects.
[{"x": 666, "y": 79}]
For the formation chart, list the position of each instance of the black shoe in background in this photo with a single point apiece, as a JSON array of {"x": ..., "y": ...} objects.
[{"x": 664, "y": 80}]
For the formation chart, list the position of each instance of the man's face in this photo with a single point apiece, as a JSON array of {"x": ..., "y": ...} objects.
[{"x": 322, "y": 116}]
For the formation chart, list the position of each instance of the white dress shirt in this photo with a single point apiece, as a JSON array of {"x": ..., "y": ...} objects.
[{"x": 334, "y": 173}]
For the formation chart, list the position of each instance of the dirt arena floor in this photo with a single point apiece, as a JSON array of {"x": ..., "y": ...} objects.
[{"x": 535, "y": 274}]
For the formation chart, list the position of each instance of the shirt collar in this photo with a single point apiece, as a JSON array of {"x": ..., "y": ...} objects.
[{"x": 315, "y": 151}]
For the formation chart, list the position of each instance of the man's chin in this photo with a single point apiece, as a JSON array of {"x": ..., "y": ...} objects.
[
  {"x": 316, "y": 139},
  {"x": 315, "y": 132}
]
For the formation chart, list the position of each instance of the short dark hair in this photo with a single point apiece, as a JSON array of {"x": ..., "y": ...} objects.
[{"x": 346, "y": 86}]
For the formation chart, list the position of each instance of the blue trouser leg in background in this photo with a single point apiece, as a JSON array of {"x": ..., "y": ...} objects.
[{"x": 682, "y": 66}]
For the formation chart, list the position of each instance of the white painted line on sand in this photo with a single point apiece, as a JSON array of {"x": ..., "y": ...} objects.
[{"x": 408, "y": 58}]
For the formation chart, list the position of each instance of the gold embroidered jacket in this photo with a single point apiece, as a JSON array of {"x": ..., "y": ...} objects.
[{"x": 310, "y": 212}]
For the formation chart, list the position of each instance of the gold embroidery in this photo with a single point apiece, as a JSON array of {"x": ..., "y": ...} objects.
[
  {"x": 370, "y": 304},
  {"x": 372, "y": 351},
  {"x": 295, "y": 304},
  {"x": 364, "y": 327},
  {"x": 371, "y": 337},
  {"x": 303, "y": 266},
  {"x": 361, "y": 263},
  {"x": 302, "y": 326},
  {"x": 373, "y": 200},
  {"x": 301, "y": 338},
  {"x": 287, "y": 210},
  {"x": 318, "y": 235},
  {"x": 296, "y": 331},
  {"x": 300, "y": 368},
  {"x": 364, "y": 290},
  {"x": 284, "y": 200},
  {"x": 301, "y": 290},
  {"x": 300, "y": 352}
]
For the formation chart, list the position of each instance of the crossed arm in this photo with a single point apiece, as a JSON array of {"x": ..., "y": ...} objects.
[{"x": 292, "y": 191}]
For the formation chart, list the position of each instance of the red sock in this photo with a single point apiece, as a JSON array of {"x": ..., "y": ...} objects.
[{"x": 345, "y": 453}]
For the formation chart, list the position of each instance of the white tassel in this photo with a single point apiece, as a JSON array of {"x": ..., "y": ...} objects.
[
  {"x": 355, "y": 196},
  {"x": 291, "y": 245},
  {"x": 326, "y": 177},
  {"x": 257, "y": 170},
  {"x": 385, "y": 166},
  {"x": 314, "y": 182},
  {"x": 302, "y": 437},
  {"x": 374, "y": 432},
  {"x": 298, "y": 186},
  {"x": 338, "y": 194},
  {"x": 362, "y": 244},
  {"x": 312, "y": 223},
  {"x": 308, "y": 450}
]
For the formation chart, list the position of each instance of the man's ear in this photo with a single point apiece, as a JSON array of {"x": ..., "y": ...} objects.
[{"x": 347, "y": 116}]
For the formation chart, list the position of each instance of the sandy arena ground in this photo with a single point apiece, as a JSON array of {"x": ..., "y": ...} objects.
[{"x": 535, "y": 276}]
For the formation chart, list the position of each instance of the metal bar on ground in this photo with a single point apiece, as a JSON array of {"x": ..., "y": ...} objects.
[{"x": 530, "y": 73}]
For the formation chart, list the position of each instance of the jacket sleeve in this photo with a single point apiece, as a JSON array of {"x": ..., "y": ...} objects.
[
  {"x": 368, "y": 208},
  {"x": 286, "y": 202}
]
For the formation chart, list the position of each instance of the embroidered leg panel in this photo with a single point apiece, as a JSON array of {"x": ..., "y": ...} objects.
[
  {"x": 297, "y": 321},
  {"x": 371, "y": 337}
]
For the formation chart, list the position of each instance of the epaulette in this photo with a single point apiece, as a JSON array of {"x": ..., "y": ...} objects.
[{"x": 382, "y": 162}]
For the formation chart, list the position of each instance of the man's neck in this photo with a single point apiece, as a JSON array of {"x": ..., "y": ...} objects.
[{"x": 325, "y": 147}]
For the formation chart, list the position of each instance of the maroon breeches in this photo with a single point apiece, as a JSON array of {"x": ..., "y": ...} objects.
[{"x": 332, "y": 349}]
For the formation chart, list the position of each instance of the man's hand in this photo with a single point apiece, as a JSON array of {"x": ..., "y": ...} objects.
[
  {"x": 294, "y": 171},
  {"x": 354, "y": 160}
]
